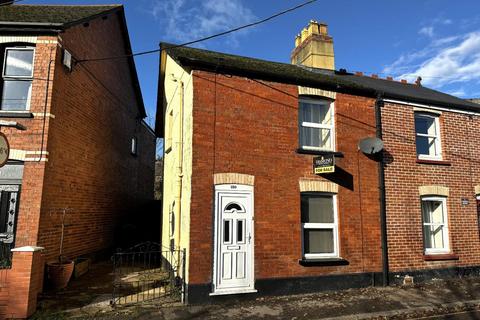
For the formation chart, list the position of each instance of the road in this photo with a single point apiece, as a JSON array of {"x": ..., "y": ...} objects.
[{"x": 466, "y": 315}]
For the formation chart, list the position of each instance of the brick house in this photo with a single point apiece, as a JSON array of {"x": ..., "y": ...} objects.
[
  {"x": 85, "y": 145},
  {"x": 240, "y": 194}
]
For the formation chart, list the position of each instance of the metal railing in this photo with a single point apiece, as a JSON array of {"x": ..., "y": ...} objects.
[{"x": 147, "y": 272}]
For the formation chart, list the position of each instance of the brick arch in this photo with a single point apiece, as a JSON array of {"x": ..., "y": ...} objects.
[
  {"x": 317, "y": 186},
  {"x": 433, "y": 191},
  {"x": 233, "y": 178}
]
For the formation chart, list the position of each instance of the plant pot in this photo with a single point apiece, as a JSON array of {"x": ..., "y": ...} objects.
[
  {"x": 59, "y": 273},
  {"x": 82, "y": 265}
]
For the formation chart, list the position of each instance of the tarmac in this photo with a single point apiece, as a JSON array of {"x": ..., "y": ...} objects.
[{"x": 458, "y": 298}]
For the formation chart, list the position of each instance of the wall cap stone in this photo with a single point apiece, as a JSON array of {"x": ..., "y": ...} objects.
[
  {"x": 434, "y": 190},
  {"x": 477, "y": 190},
  {"x": 28, "y": 249},
  {"x": 233, "y": 178},
  {"x": 307, "y": 185}
]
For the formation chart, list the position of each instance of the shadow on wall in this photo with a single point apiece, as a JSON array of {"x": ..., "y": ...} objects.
[{"x": 142, "y": 224}]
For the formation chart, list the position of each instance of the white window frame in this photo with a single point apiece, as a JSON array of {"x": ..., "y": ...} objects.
[
  {"x": 6, "y": 78},
  {"x": 331, "y": 127},
  {"x": 316, "y": 226},
  {"x": 437, "y": 136},
  {"x": 445, "y": 232}
]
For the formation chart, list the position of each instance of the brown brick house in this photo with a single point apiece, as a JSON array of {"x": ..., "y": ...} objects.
[
  {"x": 86, "y": 146},
  {"x": 240, "y": 193}
]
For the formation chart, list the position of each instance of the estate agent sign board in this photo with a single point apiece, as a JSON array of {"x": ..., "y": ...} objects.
[{"x": 324, "y": 164}]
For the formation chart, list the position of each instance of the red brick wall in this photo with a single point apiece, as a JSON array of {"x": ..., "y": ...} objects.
[
  {"x": 31, "y": 140},
  {"x": 241, "y": 125},
  {"x": 90, "y": 168},
  {"x": 20, "y": 286},
  {"x": 403, "y": 175}
]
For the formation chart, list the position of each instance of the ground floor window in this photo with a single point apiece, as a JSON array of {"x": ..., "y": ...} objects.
[
  {"x": 319, "y": 225},
  {"x": 435, "y": 225}
]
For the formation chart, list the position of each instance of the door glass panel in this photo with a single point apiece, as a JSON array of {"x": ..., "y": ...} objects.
[
  {"x": 226, "y": 231},
  {"x": 240, "y": 231},
  {"x": 318, "y": 241}
]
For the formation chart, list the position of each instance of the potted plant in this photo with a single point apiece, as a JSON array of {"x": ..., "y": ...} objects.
[{"x": 60, "y": 272}]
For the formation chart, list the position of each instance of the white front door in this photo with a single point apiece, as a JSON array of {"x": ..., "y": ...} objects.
[{"x": 233, "y": 263}]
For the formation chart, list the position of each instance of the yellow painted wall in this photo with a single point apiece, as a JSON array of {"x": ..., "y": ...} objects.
[{"x": 173, "y": 120}]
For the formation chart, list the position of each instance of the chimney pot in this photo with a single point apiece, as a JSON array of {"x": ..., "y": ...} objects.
[
  {"x": 298, "y": 40},
  {"x": 359, "y": 73},
  {"x": 304, "y": 34},
  {"x": 418, "y": 82}
]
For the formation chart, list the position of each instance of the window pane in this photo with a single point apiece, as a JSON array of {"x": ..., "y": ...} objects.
[
  {"x": 315, "y": 137},
  {"x": 433, "y": 212},
  {"x": 425, "y": 125},
  {"x": 15, "y": 94},
  {"x": 316, "y": 113},
  {"x": 318, "y": 241},
  {"x": 19, "y": 63},
  {"x": 433, "y": 237},
  {"x": 318, "y": 209},
  {"x": 426, "y": 146}
]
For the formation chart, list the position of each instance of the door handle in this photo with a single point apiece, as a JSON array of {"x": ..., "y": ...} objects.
[{"x": 249, "y": 237}]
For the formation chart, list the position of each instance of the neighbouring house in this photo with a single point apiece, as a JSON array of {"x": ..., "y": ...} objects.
[
  {"x": 243, "y": 140},
  {"x": 86, "y": 146}
]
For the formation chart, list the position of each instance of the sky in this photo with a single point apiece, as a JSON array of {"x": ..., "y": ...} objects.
[{"x": 438, "y": 40}]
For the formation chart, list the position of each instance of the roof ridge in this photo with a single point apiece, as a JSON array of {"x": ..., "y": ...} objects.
[{"x": 65, "y": 5}]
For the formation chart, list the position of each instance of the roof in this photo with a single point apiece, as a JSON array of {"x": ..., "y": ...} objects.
[
  {"x": 51, "y": 15},
  {"x": 41, "y": 19},
  {"x": 325, "y": 79}
]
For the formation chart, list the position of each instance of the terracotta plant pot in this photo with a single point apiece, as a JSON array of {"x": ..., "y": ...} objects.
[{"x": 59, "y": 274}]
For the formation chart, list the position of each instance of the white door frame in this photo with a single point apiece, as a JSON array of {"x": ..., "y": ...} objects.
[{"x": 232, "y": 189}]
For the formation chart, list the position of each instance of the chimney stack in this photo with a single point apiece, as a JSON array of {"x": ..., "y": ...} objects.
[{"x": 314, "y": 47}]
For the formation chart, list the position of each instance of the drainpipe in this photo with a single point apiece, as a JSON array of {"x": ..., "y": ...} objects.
[{"x": 381, "y": 184}]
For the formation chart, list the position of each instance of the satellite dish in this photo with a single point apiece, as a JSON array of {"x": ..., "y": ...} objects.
[{"x": 370, "y": 145}]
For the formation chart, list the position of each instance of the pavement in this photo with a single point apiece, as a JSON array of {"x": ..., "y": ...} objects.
[{"x": 457, "y": 298}]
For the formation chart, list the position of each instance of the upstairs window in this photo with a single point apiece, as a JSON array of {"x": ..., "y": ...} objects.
[
  {"x": 427, "y": 131},
  {"x": 17, "y": 76},
  {"x": 435, "y": 226},
  {"x": 316, "y": 125},
  {"x": 319, "y": 225}
]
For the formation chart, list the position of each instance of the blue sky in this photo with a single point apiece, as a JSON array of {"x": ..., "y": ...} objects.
[{"x": 437, "y": 39}]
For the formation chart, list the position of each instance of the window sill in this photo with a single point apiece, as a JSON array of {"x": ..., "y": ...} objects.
[
  {"x": 435, "y": 162},
  {"x": 323, "y": 262},
  {"x": 320, "y": 152},
  {"x": 16, "y": 114},
  {"x": 440, "y": 257}
]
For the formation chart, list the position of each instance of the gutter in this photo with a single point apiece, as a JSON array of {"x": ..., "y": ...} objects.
[{"x": 382, "y": 198}]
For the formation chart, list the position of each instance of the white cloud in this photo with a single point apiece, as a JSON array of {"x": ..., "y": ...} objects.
[
  {"x": 426, "y": 31},
  {"x": 186, "y": 20},
  {"x": 451, "y": 63}
]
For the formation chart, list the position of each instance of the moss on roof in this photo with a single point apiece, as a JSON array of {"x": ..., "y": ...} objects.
[
  {"x": 320, "y": 78},
  {"x": 55, "y": 14}
]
